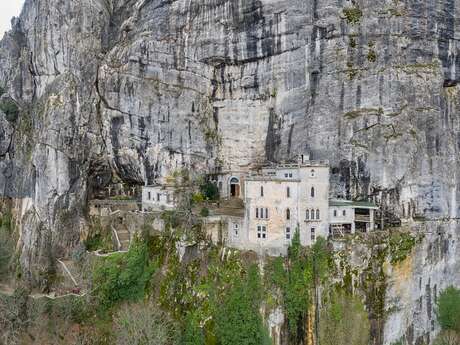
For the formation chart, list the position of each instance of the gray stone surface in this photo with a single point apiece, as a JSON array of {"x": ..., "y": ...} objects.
[{"x": 138, "y": 89}]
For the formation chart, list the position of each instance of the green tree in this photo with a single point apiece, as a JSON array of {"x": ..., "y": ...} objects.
[
  {"x": 297, "y": 290},
  {"x": 238, "y": 320},
  {"x": 448, "y": 309},
  {"x": 209, "y": 190},
  {"x": 123, "y": 276}
]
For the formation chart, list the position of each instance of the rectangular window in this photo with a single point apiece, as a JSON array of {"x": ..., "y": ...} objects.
[
  {"x": 344, "y": 213},
  {"x": 158, "y": 196},
  {"x": 149, "y": 196},
  {"x": 261, "y": 191},
  {"x": 235, "y": 229},
  {"x": 288, "y": 192},
  {"x": 313, "y": 236},
  {"x": 290, "y": 174},
  {"x": 288, "y": 233},
  {"x": 261, "y": 232},
  {"x": 286, "y": 175},
  {"x": 257, "y": 212},
  {"x": 335, "y": 213},
  {"x": 266, "y": 213}
]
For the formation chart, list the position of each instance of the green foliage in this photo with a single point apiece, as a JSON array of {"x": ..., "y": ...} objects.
[
  {"x": 197, "y": 198},
  {"x": 71, "y": 308},
  {"x": 321, "y": 259},
  {"x": 372, "y": 55},
  {"x": 305, "y": 269},
  {"x": 210, "y": 191},
  {"x": 343, "y": 320},
  {"x": 123, "y": 276},
  {"x": 353, "y": 14},
  {"x": 237, "y": 318},
  {"x": 353, "y": 43},
  {"x": 193, "y": 333},
  {"x": 448, "y": 309},
  {"x": 299, "y": 284},
  {"x": 6, "y": 242},
  {"x": 204, "y": 212},
  {"x": 400, "y": 245},
  {"x": 10, "y": 108},
  {"x": 100, "y": 237},
  {"x": 2, "y": 91}
]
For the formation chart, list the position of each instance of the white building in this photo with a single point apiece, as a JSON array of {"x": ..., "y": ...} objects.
[
  {"x": 347, "y": 217},
  {"x": 158, "y": 198},
  {"x": 278, "y": 201},
  {"x": 262, "y": 210}
]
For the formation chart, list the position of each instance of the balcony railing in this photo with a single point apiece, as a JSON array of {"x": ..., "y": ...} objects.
[{"x": 362, "y": 218}]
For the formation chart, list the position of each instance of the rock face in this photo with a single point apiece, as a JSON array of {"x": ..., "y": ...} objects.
[{"x": 138, "y": 89}]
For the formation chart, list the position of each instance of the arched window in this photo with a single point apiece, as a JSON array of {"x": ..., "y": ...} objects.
[
  {"x": 261, "y": 190},
  {"x": 312, "y": 213},
  {"x": 335, "y": 213},
  {"x": 288, "y": 192},
  {"x": 307, "y": 214},
  {"x": 317, "y": 214},
  {"x": 234, "y": 187},
  {"x": 288, "y": 214},
  {"x": 312, "y": 192}
]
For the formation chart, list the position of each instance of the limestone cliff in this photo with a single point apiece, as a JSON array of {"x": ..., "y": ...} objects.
[{"x": 134, "y": 89}]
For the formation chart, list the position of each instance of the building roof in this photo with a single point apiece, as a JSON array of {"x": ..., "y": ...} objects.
[
  {"x": 352, "y": 204},
  {"x": 266, "y": 178},
  {"x": 297, "y": 165}
]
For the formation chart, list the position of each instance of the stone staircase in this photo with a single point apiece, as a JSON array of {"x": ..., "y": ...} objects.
[
  {"x": 69, "y": 274},
  {"x": 230, "y": 207},
  {"x": 123, "y": 237}
]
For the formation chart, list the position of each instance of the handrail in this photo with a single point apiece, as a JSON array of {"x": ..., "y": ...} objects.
[
  {"x": 116, "y": 237},
  {"x": 68, "y": 272}
]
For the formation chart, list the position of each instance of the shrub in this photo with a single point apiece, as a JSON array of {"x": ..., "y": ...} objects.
[
  {"x": 447, "y": 337},
  {"x": 343, "y": 321},
  {"x": 9, "y": 107},
  {"x": 372, "y": 56},
  {"x": 204, "y": 212},
  {"x": 100, "y": 237},
  {"x": 6, "y": 243},
  {"x": 197, "y": 198},
  {"x": 193, "y": 334},
  {"x": 210, "y": 191},
  {"x": 400, "y": 245},
  {"x": 237, "y": 318},
  {"x": 353, "y": 14},
  {"x": 123, "y": 276},
  {"x": 448, "y": 309},
  {"x": 144, "y": 324}
]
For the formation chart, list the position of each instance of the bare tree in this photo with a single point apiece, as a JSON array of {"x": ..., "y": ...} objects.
[
  {"x": 144, "y": 324},
  {"x": 448, "y": 337}
]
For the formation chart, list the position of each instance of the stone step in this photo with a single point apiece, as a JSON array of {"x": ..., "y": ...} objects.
[{"x": 123, "y": 236}]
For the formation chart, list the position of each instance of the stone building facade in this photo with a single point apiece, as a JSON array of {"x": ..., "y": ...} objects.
[
  {"x": 158, "y": 197},
  {"x": 262, "y": 209}
]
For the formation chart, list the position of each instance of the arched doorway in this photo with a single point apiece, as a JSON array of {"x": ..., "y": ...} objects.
[{"x": 234, "y": 187}]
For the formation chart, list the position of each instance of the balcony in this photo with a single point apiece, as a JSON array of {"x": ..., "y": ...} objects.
[{"x": 362, "y": 218}]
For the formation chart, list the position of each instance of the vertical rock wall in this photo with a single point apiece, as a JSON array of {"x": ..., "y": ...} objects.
[{"x": 138, "y": 89}]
